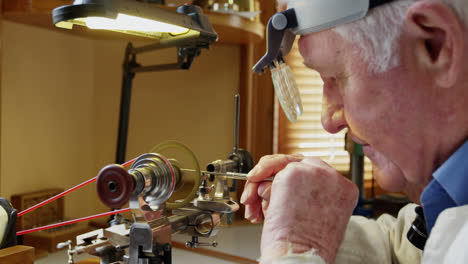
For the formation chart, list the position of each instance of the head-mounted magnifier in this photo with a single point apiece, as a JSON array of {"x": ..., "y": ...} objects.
[{"x": 303, "y": 17}]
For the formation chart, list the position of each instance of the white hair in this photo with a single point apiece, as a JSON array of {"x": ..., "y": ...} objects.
[{"x": 377, "y": 34}]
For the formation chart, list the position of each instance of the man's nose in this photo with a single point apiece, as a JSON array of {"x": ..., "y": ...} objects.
[{"x": 333, "y": 116}]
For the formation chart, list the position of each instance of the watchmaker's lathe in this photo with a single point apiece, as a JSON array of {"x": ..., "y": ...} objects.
[{"x": 147, "y": 186}]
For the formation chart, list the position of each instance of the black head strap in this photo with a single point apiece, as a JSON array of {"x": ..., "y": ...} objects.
[{"x": 376, "y": 3}]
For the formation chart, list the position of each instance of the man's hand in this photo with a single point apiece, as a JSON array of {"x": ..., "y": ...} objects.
[{"x": 307, "y": 207}]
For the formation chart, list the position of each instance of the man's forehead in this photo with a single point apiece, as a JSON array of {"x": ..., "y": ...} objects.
[{"x": 322, "y": 51}]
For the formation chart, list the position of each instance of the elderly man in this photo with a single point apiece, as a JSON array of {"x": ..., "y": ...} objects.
[{"x": 398, "y": 80}]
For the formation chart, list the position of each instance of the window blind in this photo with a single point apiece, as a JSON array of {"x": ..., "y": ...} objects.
[{"x": 307, "y": 135}]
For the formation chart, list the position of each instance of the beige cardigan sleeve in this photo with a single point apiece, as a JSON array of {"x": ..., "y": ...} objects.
[{"x": 369, "y": 241}]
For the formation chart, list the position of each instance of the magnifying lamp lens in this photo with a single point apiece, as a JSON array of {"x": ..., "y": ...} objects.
[{"x": 287, "y": 91}]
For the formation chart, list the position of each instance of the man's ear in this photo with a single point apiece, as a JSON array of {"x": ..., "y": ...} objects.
[{"x": 438, "y": 40}]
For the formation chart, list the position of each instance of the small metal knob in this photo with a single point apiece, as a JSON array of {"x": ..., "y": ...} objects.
[
  {"x": 70, "y": 252},
  {"x": 64, "y": 244}
]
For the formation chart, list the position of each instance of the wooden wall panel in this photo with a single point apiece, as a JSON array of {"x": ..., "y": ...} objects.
[
  {"x": 257, "y": 100},
  {"x": 257, "y": 96}
]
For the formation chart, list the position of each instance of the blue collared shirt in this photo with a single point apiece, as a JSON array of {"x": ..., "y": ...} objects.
[{"x": 448, "y": 188}]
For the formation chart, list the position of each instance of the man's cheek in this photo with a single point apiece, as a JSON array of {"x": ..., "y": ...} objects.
[
  {"x": 388, "y": 175},
  {"x": 358, "y": 119}
]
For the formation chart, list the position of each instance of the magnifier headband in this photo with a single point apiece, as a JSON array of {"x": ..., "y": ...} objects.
[
  {"x": 303, "y": 17},
  {"x": 308, "y": 16},
  {"x": 317, "y": 15}
]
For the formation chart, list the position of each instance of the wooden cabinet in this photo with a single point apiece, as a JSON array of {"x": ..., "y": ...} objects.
[{"x": 17, "y": 255}]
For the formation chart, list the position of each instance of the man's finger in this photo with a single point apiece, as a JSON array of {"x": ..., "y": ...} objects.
[
  {"x": 316, "y": 162},
  {"x": 250, "y": 193},
  {"x": 251, "y": 211},
  {"x": 265, "y": 205},
  {"x": 259, "y": 217},
  {"x": 264, "y": 190},
  {"x": 268, "y": 166}
]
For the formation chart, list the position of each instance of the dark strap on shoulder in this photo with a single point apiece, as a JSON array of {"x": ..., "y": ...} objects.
[{"x": 417, "y": 234}]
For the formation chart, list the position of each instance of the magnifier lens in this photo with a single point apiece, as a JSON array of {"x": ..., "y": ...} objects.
[{"x": 286, "y": 90}]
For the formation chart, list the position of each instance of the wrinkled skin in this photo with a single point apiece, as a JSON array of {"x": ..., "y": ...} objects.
[
  {"x": 307, "y": 194},
  {"x": 398, "y": 116}
]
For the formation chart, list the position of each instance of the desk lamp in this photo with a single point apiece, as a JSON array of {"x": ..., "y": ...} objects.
[{"x": 186, "y": 28}]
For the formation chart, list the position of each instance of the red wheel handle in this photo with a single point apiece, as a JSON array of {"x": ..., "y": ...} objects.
[{"x": 114, "y": 186}]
